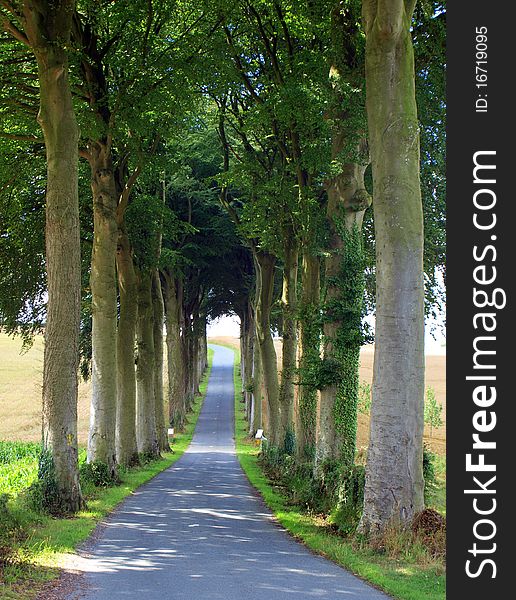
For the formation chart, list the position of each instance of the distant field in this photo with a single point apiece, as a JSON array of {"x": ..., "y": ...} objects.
[
  {"x": 21, "y": 378},
  {"x": 20, "y": 392}
]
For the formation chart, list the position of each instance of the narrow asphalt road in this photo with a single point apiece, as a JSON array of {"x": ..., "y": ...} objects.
[{"x": 199, "y": 531}]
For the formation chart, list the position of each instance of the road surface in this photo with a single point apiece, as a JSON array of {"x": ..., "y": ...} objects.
[{"x": 199, "y": 531}]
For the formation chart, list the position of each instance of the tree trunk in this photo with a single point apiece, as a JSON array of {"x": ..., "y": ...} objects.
[
  {"x": 249, "y": 355},
  {"x": 258, "y": 387},
  {"x": 265, "y": 265},
  {"x": 204, "y": 348},
  {"x": 289, "y": 345},
  {"x": 309, "y": 356},
  {"x": 175, "y": 365},
  {"x": 47, "y": 26},
  {"x": 159, "y": 316},
  {"x": 101, "y": 440},
  {"x": 246, "y": 359},
  {"x": 196, "y": 375},
  {"x": 146, "y": 435},
  {"x": 126, "y": 447},
  {"x": 394, "y": 478},
  {"x": 342, "y": 329},
  {"x": 243, "y": 365},
  {"x": 186, "y": 347}
]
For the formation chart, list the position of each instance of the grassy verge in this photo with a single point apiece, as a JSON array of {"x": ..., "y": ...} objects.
[
  {"x": 401, "y": 577},
  {"x": 47, "y": 541}
]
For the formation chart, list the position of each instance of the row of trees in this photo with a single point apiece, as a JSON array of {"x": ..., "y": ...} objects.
[{"x": 228, "y": 150}]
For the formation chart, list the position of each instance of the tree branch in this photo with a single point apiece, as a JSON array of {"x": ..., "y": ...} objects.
[
  {"x": 21, "y": 137},
  {"x": 240, "y": 67},
  {"x": 272, "y": 55},
  {"x": 123, "y": 200},
  {"x": 14, "y": 31}
]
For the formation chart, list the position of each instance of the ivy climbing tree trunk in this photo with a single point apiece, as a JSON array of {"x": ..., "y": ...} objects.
[
  {"x": 394, "y": 478},
  {"x": 265, "y": 266},
  {"x": 47, "y": 27},
  {"x": 146, "y": 435},
  {"x": 343, "y": 302},
  {"x": 309, "y": 355},
  {"x": 101, "y": 440},
  {"x": 289, "y": 346},
  {"x": 126, "y": 447},
  {"x": 344, "y": 265}
]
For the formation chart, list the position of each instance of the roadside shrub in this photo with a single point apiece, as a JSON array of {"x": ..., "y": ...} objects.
[
  {"x": 289, "y": 445},
  {"x": 272, "y": 458},
  {"x": 146, "y": 458},
  {"x": 433, "y": 410},
  {"x": 349, "y": 507},
  {"x": 43, "y": 494},
  {"x": 96, "y": 473}
]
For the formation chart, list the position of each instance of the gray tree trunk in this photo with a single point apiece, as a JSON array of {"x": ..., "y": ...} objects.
[
  {"x": 159, "y": 318},
  {"x": 265, "y": 264},
  {"x": 289, "y": 344},
  {"x": 347, "y": 202},
  {"x": 101, "y": 440},
  {"x": 257, "y": 397},
  {"x": 309, "y": 354},
  {"x": 248, "y": 380},
  {"x": 394, "y": 478},
  {"x": 126, "y": 447},
  {"x": 146, "y": 436},
  {"x": 47, "y": 26},
  {"x": 175, "y": 365}
]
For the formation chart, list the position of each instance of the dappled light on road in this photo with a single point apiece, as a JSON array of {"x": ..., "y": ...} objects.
[{"x": 199, "y": 531}]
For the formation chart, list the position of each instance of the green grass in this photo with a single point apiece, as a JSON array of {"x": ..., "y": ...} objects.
[
  {"x": 47, "y": 541},
  {"x": 401, "y": 578},
  {"x": 437, "y": 493}
]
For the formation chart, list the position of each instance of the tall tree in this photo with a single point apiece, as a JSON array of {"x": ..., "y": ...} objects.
[
  {"x": 45, "y": 26},
  {"x": 344, "y": 263},
  {"x": 394, "y": 478}
]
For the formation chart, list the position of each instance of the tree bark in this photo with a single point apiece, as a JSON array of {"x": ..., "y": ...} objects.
[
  {"x": 309, "y": 355},
  {"x": 101, "y": 440},
  {"x": 146, "y": 435},
  {"x": 258, "y": 387},
  {"x": 394, "y": 478},
  {"x": 47, "y": 26},
  {"x": 175, "y": 365},
  {"x": 187, "y": 352},
  {"x": 126, "y": 447},
  {"x": 265, "y": 266},
  {"x": 243, "y": 364},
  {"x": 159, "y": 317},
  {"x": 344, "y": 273},
  {"x": 248, "y": 381},
  {"x": 289, "y": 344}
]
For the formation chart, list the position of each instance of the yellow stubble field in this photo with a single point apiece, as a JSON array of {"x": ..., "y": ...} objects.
[{"x": 21, "y": 377}]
